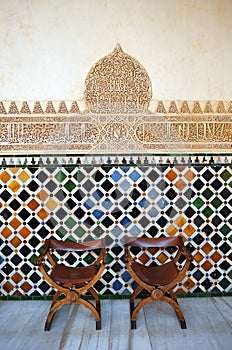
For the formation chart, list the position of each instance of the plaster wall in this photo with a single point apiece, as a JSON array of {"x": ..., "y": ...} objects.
[{"x": 47, "y": 47}]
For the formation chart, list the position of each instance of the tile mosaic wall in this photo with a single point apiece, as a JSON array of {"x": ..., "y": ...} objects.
[{"x": 87, "y": 201}]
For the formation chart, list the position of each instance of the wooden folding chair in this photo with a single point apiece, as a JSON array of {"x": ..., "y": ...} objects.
[
  {"x": 72, "y": 282},
  {"x": 157, "y": 279}
]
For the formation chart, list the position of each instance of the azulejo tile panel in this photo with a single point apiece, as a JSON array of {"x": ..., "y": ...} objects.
[{"x": 87, "y": 201}]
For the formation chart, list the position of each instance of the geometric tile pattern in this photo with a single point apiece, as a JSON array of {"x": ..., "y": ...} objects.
[{"x": 83, "y": 202}]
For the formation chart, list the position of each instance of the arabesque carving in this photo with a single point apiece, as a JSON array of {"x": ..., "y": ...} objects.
[
  {"x": 117, "y": 115},
  {"x": 117, "y": 84}
]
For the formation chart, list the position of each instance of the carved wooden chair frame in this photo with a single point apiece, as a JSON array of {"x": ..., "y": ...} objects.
[
  {"x": 159, "y": 280},
  {"x": 73, "y": 282}
]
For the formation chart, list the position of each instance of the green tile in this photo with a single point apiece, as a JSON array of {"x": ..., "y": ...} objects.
[
  {"x": 69, "y": 186},
  {"x": 79, "y": 231},
  {"x": 70, "y": 168},
  {"x": 70, "y": 223},
  {"x": 109, "y": 258},
  {"x": 224, "y": 283},
  {"x": 225, "y": 175},
  {"x": 207, "y": 193},
  {"x": 198, "y": 203},
  {"x": 89, "y": 259},
  {"x": 61, "y": 232},
  {"x": 60, "y": 176},
  {"x": 79, "y": 176},
  {"x": 216, "y": 202},
  {"x": 225, "y": 229},
  {"x": 207, "y": 212}
]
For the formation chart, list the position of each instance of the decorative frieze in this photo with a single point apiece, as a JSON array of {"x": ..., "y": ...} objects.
[{"x": 116, "y": 115}]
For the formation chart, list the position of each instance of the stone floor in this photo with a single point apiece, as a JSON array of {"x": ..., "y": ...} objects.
[{"x": 209, "y": 326}]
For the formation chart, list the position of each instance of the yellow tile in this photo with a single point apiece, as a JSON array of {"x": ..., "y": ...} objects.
[
  {"x": 207, "y": 265},
  {"x": 17, "y": 278},
  {"x": 42, "y": 195},
  {"x": 15, "y": 223},
  {"x": 51, "y": 204},
  {"x": 171, "y": 175},
  {"x": 33, "y": 205},
  {"x": 5, "y": 176},
  {"x": 144, "y": 258},
  {"x": 198, "y": 257},
  {"x": 42, "y": 214},
  {"x": 171, "y": 230},
  {"x": 189, "y": 230},
  {"x": 162, "y": 258},
  {"x": 6, "y": 232},
  {"x": 180, "y": 221},
  {"x": 14, "y": 186},
  {"x": 189, "y": 175},
  {"x": 24, "y": 232},
  {"x": 23, "y": 176},
  {"x": 207, "y": 248},
  {"x": 189, "y": 284},
  {"x": 15, "y": 241},
  {"x": 180, "y": 185},
  {"x": 215, "y": 257},
  {"x": 8, "y": 287},
  {"x": 14, "y": 170},
  {"x": 26, "y": 287}
]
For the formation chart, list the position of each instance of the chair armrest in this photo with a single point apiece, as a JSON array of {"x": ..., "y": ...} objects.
[
  {"x": 186, "y": 253},
  {"x": 44, "y": 252}
]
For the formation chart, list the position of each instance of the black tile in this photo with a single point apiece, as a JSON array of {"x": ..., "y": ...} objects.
[
  {"x": 89, "y": 222},
  {"x": 6, "y": 250},
  {"x": 24, "y": 195},
  {"x": 216, "y": 184},
  {"x": 171, "y": 194},
  {"x": 116, "y": 194},
  {"x": 198, "y": 221},
  {"x": 216, "y": 221},
  {"x": 225, "y": 248},
  {"x": 33, "y": 223},
  {"x": 6, "y": 214},
  {"x": 70, "y": 204},
  {"x": 15, "y": 204},
  {"x": 189, "y": 212},
  {"x": 79, "y": 213},
  {"x": 33, "y": 186},
  {"x": 116, "y": 213},
  {"x": 98, "y": 176},
  {"x": 5, "y": 195},
  {"x": 143, "y": 185},
  {"x": 198, "y": 184},
  {"x": 107, "y": 222},
  {"x": 24, "y": 214},
  {"x": 79, "y": 195}
]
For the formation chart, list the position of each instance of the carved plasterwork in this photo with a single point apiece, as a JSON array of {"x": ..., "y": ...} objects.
[
  {"x": 117, "y": 84},
  {"x": 116, "y": 115},
  {"x": 117, "y": 133}
]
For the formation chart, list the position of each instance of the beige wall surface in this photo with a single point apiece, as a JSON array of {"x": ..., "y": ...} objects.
[{"x": 47, "y": 47}]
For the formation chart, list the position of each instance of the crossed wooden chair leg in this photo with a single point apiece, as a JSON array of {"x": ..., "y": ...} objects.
[
  {"x": 158, "y": 279},
  {"x": 73, "y": 297},
  {"x": 156, "y": 294},
  {"x": 71, "y": 283}
]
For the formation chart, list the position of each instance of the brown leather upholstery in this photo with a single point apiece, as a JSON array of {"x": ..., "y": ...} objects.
[
  {"x": 71, "y": 282},
  {"x": 158, "y": 280}
]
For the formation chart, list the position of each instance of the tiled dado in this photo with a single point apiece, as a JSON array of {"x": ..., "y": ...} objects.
[{"x": 87, "y": 201}]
